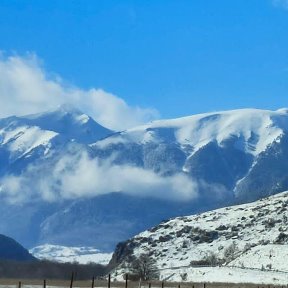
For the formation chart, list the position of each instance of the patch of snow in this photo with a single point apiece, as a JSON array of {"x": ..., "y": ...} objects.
[
  {"x": 225, "y": 275},
  {"x": 64, "y": 254},
  {"x": 24, "y": 139},
  {"x": 265, "y": 257},
  {"x": 253, "y": 130},
  {"x": 83, "y": 118}
]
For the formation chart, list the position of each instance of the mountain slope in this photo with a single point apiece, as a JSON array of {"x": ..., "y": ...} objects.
[
  {"x": 107, "y": 219},
  {"x": 231, "y": 236},
  {"x": 219, "y": 149},
  {"x": 11, "y": 250},
  {"x": 26, "y": 139},
  {"x": 70, "y": 122},
  {"x": 69, "y": 174}
]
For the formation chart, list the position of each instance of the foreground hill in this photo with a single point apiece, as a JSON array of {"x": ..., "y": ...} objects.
[
  {"x": 71, "y": 177},
  {"x": 249, "y": 239}
]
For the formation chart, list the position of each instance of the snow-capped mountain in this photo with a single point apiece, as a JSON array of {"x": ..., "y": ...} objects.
[
  {"x": 63, "y": 254},
  {"x": 69, "y": 122},
  {"x": 26, "y": 139},
  {"x": 250, "y": 130},
  {"x": 65, "y": 172},
  {"x": 223, "y": 150},
  {"x": 247, "y": 239}
]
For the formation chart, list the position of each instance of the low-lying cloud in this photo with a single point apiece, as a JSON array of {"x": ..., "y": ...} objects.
[
  {"x": 79, "y": 176},
  {"x": 26, "y": 88}
]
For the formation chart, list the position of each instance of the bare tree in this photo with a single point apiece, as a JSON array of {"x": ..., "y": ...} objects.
[
  {"x": 230, "y": 252},
  {"x": 144, "y": 268}
]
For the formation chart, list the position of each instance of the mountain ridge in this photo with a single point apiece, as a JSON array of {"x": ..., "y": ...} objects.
[{"x": 197, "y": 162}]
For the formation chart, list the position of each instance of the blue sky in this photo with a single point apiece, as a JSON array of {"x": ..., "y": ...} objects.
[{"x": 179, "y": 57}]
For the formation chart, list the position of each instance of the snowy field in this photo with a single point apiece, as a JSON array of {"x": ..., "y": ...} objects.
[
  {"x": 264, "y": 257},
  {"x": 225, "y": 275}
]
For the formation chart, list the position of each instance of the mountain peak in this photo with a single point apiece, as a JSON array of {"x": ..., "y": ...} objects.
[
  {"x": 67, "y": 108},
  {"x": 58, "y": 112},
  {"x": 65, "y": 120}
]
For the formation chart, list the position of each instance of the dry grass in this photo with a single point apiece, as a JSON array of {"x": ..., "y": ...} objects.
[{"x": 101, "y": 283}]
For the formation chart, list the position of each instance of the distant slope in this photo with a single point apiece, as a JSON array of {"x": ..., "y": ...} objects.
[
  {"x": 63, "y": 254},
  {"x": 12, "y": 250}
]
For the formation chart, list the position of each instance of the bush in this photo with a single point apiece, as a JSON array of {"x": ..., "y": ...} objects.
[{"x": 212, "y": 259}]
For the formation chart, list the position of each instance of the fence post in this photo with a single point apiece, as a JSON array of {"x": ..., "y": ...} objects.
[
  {"x": 19, "y": 284},
  {"x": 162, "y": 284},
  {"x": 126, "y": 281},
  {"x": 72, "y": 280},
  {"x": 109, "y": 281},
  {"x": 44, "y": 283},
  {"x": 149, "y": 284},
  {"x": 204, "y": 285},
  {"x": 93, "y": 282}
]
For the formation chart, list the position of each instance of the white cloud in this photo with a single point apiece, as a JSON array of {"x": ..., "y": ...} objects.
[
  {"x": 79, "y": 176},
  {"x": 26, "y": 88},
  {"x": 281, "y": 3}
]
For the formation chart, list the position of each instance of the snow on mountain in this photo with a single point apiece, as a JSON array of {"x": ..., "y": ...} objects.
[
  {"x": 20, "y": 135},
  {"x": 64, "y": 254},
  {"x": 71, "y": 122},
  {"x": 230, "y": 157},
  {"x": 254, "y": 129},
  {"x": 224, "y": 275},
  {"x": 251, "y": 237},
  {"x": 225, "y": 151},
  {"x": 24, "y": 139},
  {"x": 65, "y": 120}
]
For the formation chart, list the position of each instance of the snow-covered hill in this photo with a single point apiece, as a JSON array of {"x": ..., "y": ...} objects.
[
  {"x": 63, "y": 254},
  {"x": 251, "y": 236}
]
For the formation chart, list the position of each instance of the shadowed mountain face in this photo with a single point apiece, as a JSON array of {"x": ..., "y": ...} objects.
[
  {"x": 163, "y": 169},
  {"x": 11, "y": 250}
]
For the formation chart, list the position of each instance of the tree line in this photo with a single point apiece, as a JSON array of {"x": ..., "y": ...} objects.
[{"x": 50, "y": 270}]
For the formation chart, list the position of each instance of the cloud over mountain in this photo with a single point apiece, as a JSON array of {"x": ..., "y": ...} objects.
[
  {"x": 25, "y": 87},
  {"x": 79, "y": 176}
]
